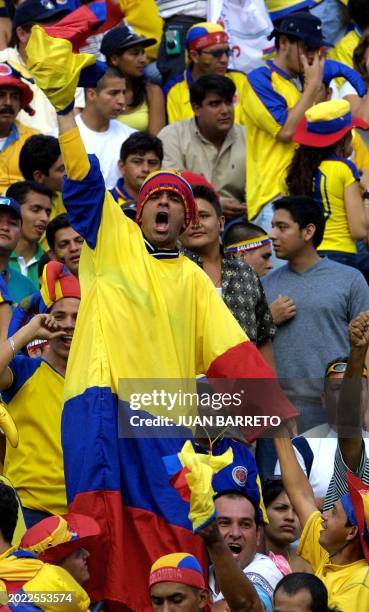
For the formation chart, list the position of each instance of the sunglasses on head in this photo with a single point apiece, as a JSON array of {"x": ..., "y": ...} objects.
[{"x": 218, "y": 53}]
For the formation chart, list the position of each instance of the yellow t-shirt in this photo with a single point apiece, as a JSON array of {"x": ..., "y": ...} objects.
[
  {"x": 9, "y": 157},
  {"x": 269, "y": 95},
  {"x": 138, "y": 119},
  {"x": 344, "y": 49},
  {"x": 35, "y": 468},
  {"x": 178, "y": 96},
  {"x": 333, "y": 176},
  {"x": 347, "y": 585}
]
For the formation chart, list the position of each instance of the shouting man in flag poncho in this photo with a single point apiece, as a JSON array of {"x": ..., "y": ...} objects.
[{"x": 146, "y": 312}]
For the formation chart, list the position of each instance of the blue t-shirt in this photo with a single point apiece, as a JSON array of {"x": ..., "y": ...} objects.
[{"x": 327, "y": 296}]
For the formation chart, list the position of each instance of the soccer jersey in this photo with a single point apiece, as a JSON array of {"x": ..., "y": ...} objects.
[
  {"x": 120, "y": 195},
  {"x": 347, "y": 585},
  {"x": 333, "y": 176},
  {"x": 343, "y": 51},
  {"x": 270, "y": 94},
  {"x": 35, "y": 467},
  {"x": 178, "y": 96}
]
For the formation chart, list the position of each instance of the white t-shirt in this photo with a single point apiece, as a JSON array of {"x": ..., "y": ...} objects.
[
  {"x": 262, "y": 572},
  {"x": 106, "y": 146},
  {"x": 322, "y": 441}
]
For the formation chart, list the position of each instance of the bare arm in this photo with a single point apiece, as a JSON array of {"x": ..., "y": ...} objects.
[
  {"x": 157, "y": 117},
  {"x": 297, "y": 486},
  {"x": 349, "y": 419},
  {"x": 359, "y": 106},
  {"x": 313, "y": 79},
  {"x": 236, "y": 588},
  {"x": 42, "y": 326},
  {"x": 356, "y": 210}
]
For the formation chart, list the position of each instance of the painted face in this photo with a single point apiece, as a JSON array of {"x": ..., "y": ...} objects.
[
  {"x": 65, "y": 312},
  {"x": 212, "y": 60}
]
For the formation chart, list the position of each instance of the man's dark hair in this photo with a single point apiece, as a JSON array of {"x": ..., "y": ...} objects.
[
  {"x": 111, "y": 73},
  {"x": 205, "y": 193},
  {"x": 21, "y": 189},
  {"x": 291, "y": 38},
  {"x": 359, "y": 12},
  {"x": 234, "y": 493},
  {"x": 8, "y": 512},
  {"x": 39, "y": 152},
  {"x": 272, "y": 488},
  {"x": 298, "y": 581},
  {"x": 140, "y": 143},
  {"x": 242, "y": 230},
  {"x": 213, "y": 83},
  {"x": 59, "y": 222},
  {"x": 304, "y": 211}
]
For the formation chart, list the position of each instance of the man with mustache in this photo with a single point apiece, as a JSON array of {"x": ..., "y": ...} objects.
[{"x": 15, "y": 95}]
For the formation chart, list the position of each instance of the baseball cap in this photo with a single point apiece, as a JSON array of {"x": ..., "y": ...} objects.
[
  {"x": 38, "y": 11},
  {"x": 304, "y": 27},
  {"x": 11, "y": 204},
  {"x": 121, "y": 38}
]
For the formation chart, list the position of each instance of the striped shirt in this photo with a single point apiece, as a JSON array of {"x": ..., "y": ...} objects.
[
  {"x": 338, "y": 484},
  {"x": 192, "y": 8}
]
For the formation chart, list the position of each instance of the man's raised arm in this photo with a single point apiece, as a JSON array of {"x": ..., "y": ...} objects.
[
  {"x": 349, "y": 417},
  {"x": 295, "y": 482}
]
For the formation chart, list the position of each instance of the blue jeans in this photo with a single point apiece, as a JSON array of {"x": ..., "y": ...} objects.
[
  {"x": 264, "y": 219},
  {"x": 31, "y": 517}
]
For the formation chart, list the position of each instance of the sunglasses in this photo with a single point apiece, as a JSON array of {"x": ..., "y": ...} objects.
[
  {"x": 218, "y": 53},
  {"x": 340, "y": 367}
]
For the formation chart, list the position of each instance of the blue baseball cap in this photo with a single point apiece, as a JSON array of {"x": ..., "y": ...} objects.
[
  {"x": 11, "y": 204},
  {"x": 302, "y": 26},
  {"x": 38, "y": 11}
]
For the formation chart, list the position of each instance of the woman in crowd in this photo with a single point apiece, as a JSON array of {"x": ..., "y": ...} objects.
[
  {"x": 321, "y": 167},
  {"x": 282, "y": 530},
  {"x": 145, "y": 105}
]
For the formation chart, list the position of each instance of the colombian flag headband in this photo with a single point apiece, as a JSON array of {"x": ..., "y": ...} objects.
[
  {"x": 356, "y": 505},
  {"x": 168, "y": 180},
  {"x": 178, "y": 567},
  {"x": 248, "y": 245},
  {"x": 204, "y": 35}
]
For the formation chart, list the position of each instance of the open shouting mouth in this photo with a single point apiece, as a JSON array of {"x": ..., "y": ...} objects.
[{"x": 161, "y": 221}]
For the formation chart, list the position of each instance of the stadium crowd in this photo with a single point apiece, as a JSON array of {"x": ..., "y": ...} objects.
[{"x": 187, "y": 180}]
